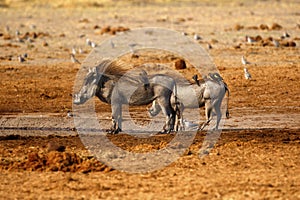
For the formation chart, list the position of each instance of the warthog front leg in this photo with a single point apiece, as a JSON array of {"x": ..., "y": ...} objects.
[
  {"x": 116, "y": 119},
  {"x": 114, "y": 128},
  {"x": 169, "y": 124}
]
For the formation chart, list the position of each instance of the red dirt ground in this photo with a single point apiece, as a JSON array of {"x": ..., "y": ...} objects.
[{"x": 255, "y": 163}]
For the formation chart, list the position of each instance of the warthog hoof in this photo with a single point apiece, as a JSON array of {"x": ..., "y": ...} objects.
[
  {"x": 166, "y": 131},
  {"x": 114, "y": 131},
  {"x": 163, "y": 132},
  {"x": 202, "y": 126}
]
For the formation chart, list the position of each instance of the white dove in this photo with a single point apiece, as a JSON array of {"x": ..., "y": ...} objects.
[
  {"x": 74, "y": 60},
  {"x": 209, "y": 46},
  {"x": 93, "y": 44},
  {"x": 244, "y": 61},
  {"x": 21, "y": 59},
  {"x": 197, "y": 37},
  {"x": 88, "y": 42},
  {"x": 73, "y": 50},
  {"x": 276, "y": 43},
  {"x": 249, "y": 39},
  {"x": 247, "y": 74},
  {"x": 286, "y": 35}
]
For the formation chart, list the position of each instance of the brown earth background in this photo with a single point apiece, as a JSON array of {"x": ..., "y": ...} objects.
[{"x": 257, "y": 155}]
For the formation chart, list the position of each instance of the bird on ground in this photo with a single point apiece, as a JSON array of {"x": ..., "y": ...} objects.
[
  {"x": 247, "y": 74},
  {"x": 21, "y": 59},
  {"x": 17, "y": 32},
  {"x": 93, "y": 44},
  {"x": 276, "y": 43},
  {"x": 73, "y": 50},
  {"x": 209, "y": 46},
  {"x": 70, "y": 114},
  {"x": 74, "y": 60},
  {"x": 32, "y": 26},
  {"x": 197, "y": 37},
  {"x": 29, "y": 40},
  {"x": 80, "y": 50},
  {"x": 244, "y": 61},
  {"x": 184, "y": 33},
  {"x": 18, "y": 39},
  {"x": 286, "y": 35},
  {"x": 249, "y": 39},
  {"x": 88, "y": 42},
  {"x": 189, "y": 124}
]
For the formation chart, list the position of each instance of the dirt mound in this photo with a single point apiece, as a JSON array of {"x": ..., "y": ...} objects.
[
  {"x": 54, "y": 161},
  {"x": 113, "y": 30},
  {"x": 35, "y": 154}
]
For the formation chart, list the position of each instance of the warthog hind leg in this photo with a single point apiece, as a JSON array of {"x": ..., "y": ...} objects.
[{"x": 203, "y": 125}]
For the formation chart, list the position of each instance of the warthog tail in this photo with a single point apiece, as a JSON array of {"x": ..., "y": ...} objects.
[{"x": 227, "y": 110}]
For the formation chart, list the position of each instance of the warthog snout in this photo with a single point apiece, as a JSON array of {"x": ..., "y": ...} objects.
[
  {"x": 154, "y": 109},
  {"x": 76, "y": 99},
  {"x": 151, "y": 112}
]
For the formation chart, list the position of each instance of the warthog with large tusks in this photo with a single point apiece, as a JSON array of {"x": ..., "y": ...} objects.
[
  {"x": 116, "y": 87},
  {"x": 208, "y": 93}
]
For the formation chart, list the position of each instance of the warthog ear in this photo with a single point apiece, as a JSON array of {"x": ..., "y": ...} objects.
[
  {"x": 195, "y": 78},
  {"x": 93, "y": 70}
]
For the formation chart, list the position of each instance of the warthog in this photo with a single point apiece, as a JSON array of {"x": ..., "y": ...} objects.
[
  {"x": 208, "y": 93},
  {"x": 116, "y": 87}
]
